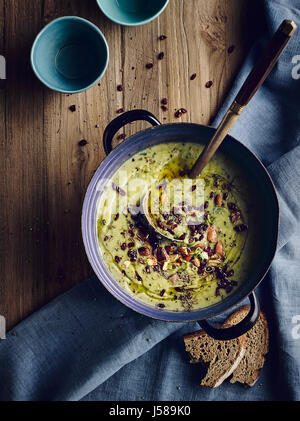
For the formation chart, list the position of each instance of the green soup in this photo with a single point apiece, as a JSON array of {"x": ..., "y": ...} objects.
[{"x": 215, "y": 251}]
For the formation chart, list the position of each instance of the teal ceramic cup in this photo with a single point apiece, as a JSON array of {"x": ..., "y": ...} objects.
[
  {"x": 70, "y": 55},
  {"x": 132, "y": 12}
]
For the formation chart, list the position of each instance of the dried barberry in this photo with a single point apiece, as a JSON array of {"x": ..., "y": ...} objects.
[
  {"x": 138, "y": 277},
  {"x": 202, "y": 227},
  {"x": 231, "y": 49},
  {"x": 241, "y": 228},
  {"x": 232, "y": 207},
  {"x": 132, "y": 254},
  {"x": 131, "y": 233},
  {"x": 82, "y": 143},
  {"x": 170, "y": 231},
  {"x": 194, "y": 75},
  {"x": 209, "y": 251}
]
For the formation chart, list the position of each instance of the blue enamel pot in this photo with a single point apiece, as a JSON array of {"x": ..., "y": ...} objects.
[{"x": 265, "y": 195}]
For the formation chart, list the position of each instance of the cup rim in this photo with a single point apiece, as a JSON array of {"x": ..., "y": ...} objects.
[
  {"x": 139, "y": 23},
  {"x": 41, "y": 33}
]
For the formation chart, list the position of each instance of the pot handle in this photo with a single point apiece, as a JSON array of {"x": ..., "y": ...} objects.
[
  {"x": 237, "y": 330},
  {"x": 125, "y": 118}
]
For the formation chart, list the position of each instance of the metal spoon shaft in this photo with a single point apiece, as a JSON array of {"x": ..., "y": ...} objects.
[{"x": 228, "y": 121}]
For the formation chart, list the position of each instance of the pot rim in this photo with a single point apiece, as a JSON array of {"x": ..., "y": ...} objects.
[{"x": 130, "y": 301}]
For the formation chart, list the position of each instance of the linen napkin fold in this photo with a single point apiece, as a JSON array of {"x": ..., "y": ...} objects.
[{"x": 86, "y": 345}]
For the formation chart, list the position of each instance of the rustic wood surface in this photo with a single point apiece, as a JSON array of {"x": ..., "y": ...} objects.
[{"x": 45, "y": 173}]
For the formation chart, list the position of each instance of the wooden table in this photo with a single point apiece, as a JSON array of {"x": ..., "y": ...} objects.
[{"x": 44, "y": 171}]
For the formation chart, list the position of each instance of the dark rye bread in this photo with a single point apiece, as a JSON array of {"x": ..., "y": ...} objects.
[
  {"x": 257, "y": 347},
  {"x": 220, "y": 358}
]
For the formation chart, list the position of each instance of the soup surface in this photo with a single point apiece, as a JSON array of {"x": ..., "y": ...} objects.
[{"x": 214, "y": 225}]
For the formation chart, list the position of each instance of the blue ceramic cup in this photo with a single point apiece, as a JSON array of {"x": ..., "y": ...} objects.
[
  {"x": 132, "y": 12},
  {"x": 70, "y": 55}
]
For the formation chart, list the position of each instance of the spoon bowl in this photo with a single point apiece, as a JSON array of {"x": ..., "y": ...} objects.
[{"x": 148, "y": 221}]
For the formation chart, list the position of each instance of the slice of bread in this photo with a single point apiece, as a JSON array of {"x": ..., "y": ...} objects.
[
  {"x": 220, "y": 358},
  {"x": 257, "y": 347}
]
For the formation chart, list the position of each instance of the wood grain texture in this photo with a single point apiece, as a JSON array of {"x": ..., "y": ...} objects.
[{"x": 45, "y": 172}]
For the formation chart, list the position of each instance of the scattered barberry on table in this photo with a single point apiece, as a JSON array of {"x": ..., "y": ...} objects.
[{"x": 83, "y": 142}]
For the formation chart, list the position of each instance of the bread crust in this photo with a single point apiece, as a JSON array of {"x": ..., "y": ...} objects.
[
  {"x": 242, "y": 342},
  {"x": 263, "y": 317},
  {"x": 232, "y": 320},
  {"x": 239, "y": 312}
]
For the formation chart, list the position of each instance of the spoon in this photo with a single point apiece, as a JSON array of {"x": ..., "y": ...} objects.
[{"x": 253, "y": 82}]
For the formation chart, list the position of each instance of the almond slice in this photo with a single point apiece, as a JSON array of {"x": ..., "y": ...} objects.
[
  {"x": 212, "y": 235},
  {"x": 219, "y": 250}
]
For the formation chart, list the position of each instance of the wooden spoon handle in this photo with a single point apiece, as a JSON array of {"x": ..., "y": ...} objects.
[
  {"x": 266, "y": 63},
  {"x": 255, "y": 79}
]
